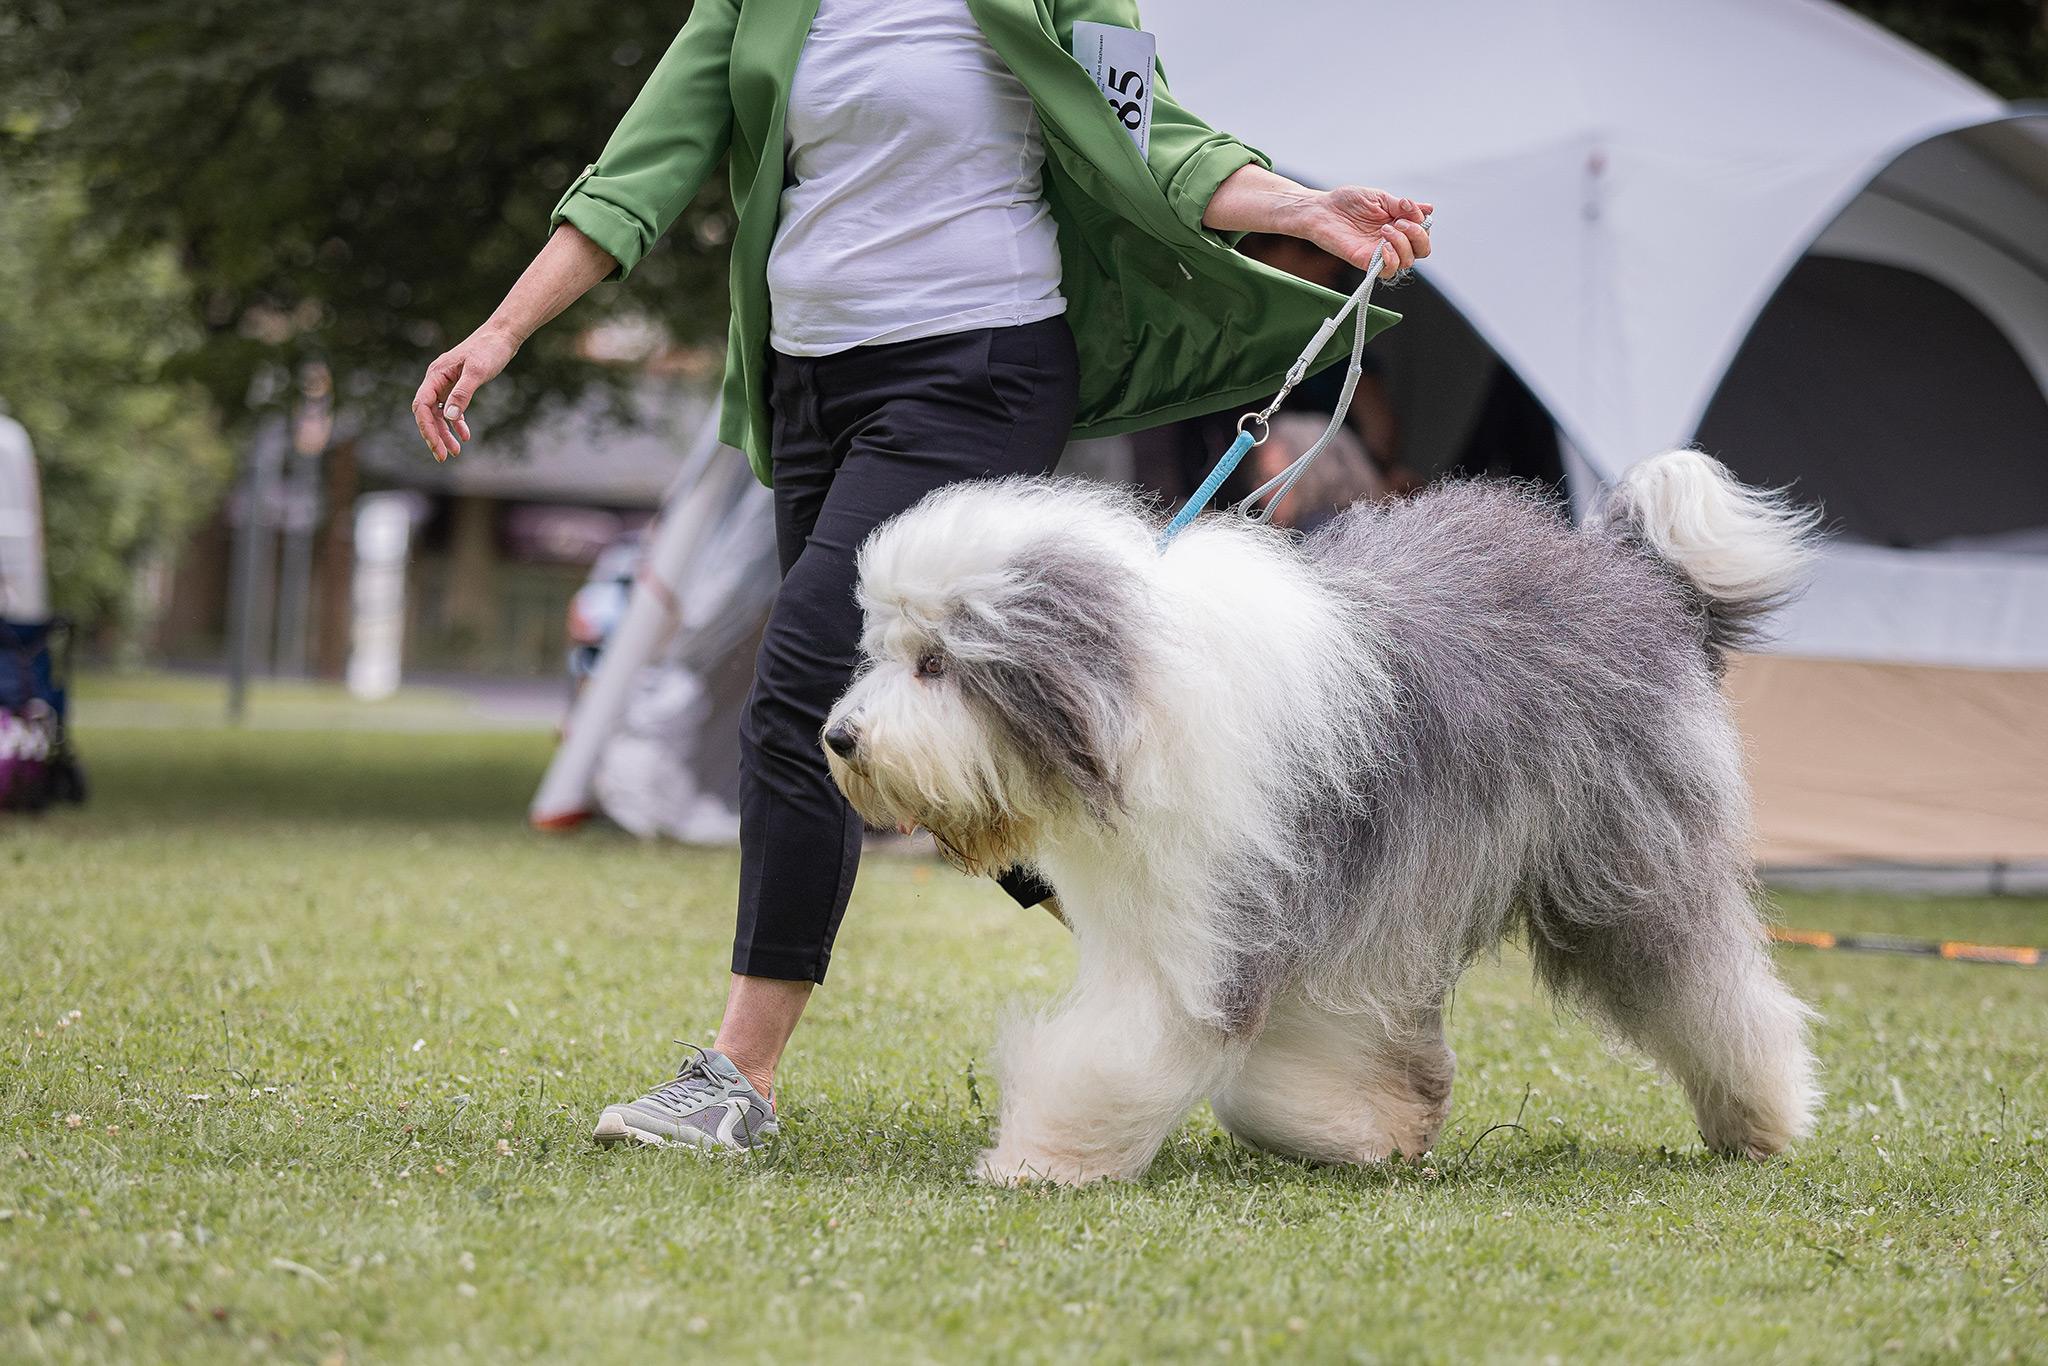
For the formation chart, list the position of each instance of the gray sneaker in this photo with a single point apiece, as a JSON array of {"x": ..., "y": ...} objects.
[{"x": 708, "y": 1105}]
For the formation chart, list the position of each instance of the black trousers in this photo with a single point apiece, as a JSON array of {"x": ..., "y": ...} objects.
[{"x": 857, "y": 438}]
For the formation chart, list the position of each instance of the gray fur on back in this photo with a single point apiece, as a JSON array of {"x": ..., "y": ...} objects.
[{"x": 1557, "y": 759}]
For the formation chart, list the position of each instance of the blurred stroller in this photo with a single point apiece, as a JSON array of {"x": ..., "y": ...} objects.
[{"x": 38, "y": 765}]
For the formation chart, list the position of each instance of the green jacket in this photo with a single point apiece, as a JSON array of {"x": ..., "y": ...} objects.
[{"x": 1169, "y": 319}]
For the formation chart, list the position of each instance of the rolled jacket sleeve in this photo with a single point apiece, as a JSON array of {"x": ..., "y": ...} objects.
[
  {"x": 1187, "y": 157},
  {"x": 1191, "y": 159},
  {"x": 668, "y": 142}
]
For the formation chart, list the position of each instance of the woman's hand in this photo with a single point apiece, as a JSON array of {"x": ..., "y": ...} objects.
[
  {"x": 1352, "y": 221},
  {"x": 441, "y": 406},
  {"x": 567, "y": 266},
  {"x": 1348, "y": 222}
]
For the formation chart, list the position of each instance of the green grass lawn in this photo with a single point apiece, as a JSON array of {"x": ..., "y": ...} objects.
[{"x": 303, "y": 1035}]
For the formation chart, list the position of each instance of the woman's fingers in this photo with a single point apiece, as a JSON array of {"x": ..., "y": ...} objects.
[
  {"x": 419, "y": 420},
  {"x": 433, "y": 430},
  {"x": 1399, "y": 254},
  {"x": 468, "y": 380},
  {"x": 1413, "y": 209},
  {"x": 1405, "y": 240},
  {"x": 441, "y": 407},
  {"x": 1417, "y": 235},
  {"x": 427, "y": 410}
]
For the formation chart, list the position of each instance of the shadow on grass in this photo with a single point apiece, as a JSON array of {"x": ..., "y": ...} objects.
[
  {"x": 1450, "y": 1165},
  {"x": 938, "y": 1147}
]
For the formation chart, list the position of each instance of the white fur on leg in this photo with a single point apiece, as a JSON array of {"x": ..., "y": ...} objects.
[
  {"x": 1750, "y": 1072},
  {"x": 1333, "y": 1087},
  {"x": 1736, "y": 1041},
  {"x": 1092, "y": 1089}
]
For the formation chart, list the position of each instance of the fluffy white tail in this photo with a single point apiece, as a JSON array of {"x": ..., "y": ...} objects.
[{"x": 1743, "y": 550}]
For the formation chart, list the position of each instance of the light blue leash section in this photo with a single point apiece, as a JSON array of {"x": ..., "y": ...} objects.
[
  {"x": 1199, "y": 499},
  {"x": 1276, "y": 488}
]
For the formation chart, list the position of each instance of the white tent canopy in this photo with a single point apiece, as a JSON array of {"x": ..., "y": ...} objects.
[
  {"x": 1899, "y": 377},
  {"x": 1623, "y": 185}
]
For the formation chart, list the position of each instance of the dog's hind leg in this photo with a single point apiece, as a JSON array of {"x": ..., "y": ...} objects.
[
  {"x": 1340, "y": 1088},
  {"x": 1691, "y": 983},
  {"x": 1091, "y": 1090}
]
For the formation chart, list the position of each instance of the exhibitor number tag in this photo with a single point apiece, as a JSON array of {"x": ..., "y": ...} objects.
[{"x": 1121, "y": 61}]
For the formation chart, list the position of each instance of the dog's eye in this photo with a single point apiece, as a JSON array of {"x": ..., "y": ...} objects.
[{"x": 931, "y": 664}]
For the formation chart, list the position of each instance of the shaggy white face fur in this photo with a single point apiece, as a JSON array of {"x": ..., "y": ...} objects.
[
  {"x": 1286, "y": 791},
  {"x": 948, "y": 600}
]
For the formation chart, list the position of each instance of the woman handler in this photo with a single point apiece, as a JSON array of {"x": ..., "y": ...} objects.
[{"x": 951, "y": 258}]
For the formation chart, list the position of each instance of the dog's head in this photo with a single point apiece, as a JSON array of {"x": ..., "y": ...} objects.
[{"x": 1001, "y": 665}]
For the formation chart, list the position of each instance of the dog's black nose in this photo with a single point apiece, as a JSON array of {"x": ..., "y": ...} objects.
[{"x": 841, "y": 739}]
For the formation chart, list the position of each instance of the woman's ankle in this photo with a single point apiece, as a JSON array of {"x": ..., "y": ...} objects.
[
  {"x": 759, "y": 1075},
  {"x": 760, "y": 1015}
]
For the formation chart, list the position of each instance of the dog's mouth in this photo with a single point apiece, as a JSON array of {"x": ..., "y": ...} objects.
[
  {"x": 853, "y": 781},
  {"x": 981, "y": 844},
  {"x": 983, "y": 849}
]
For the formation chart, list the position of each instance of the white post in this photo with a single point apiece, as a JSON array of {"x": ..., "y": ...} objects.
[
  {"x": 377, "y": 598},
  {"x": 24, "y": 586}
]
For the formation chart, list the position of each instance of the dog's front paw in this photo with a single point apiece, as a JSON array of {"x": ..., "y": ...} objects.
[
  {"x": 1004, "y": 1166},
  {"x": 994, "y": 1167}
]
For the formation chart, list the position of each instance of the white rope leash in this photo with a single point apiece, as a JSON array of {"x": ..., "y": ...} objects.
[{"x": 1358, "y": 303}]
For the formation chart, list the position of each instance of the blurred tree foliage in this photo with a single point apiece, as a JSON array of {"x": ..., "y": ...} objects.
[
  {"x": 129, "y": 458},
  {"x": 2002, "y": 44},
  {"x": 356, "y": 183}
]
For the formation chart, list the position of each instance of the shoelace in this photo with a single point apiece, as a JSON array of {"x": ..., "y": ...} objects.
[{"x": 692, "y": 1079}]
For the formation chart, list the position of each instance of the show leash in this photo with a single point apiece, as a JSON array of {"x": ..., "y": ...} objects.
[{"x": 1259, "y": 505}]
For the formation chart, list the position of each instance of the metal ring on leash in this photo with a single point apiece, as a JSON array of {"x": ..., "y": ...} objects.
[{"x": 1265, "y": 426}]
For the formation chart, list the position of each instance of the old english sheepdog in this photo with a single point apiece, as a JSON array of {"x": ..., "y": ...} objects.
[{"x": 1287, "y": 791}]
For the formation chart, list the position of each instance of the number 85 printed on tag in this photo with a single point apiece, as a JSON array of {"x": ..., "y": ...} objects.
[{"x": 1120, "y": 60}]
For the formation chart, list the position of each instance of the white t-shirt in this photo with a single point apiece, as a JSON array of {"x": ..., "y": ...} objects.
[{"x": 916, "y": 208}]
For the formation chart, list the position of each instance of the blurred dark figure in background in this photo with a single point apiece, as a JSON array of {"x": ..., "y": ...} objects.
[
  {"x": 1514, "y": 437},
  {"x": 1364, "y": 460}
]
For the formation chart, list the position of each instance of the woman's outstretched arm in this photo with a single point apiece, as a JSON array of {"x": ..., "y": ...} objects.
[
  {"x": 564, "y": 270},
  {"x": 1349, "y": 221},
  {"x": 675, "y": 132}
]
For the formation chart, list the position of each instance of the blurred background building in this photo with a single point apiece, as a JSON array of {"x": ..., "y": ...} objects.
[{"x": 502, "y": 537}]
